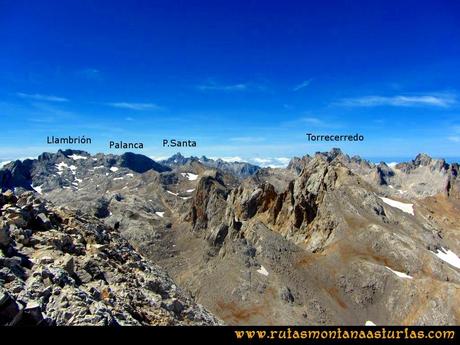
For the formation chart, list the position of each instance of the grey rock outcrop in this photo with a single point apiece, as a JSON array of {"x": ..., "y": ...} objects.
[{"x": 78, "y": 271}]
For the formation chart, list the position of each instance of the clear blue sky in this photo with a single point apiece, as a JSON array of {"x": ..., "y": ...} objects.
[{"x": 242, "y": 78}]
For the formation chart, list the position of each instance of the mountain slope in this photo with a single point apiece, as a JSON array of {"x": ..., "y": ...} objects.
[
  {"x": 65, "y": 268},
  {"x": 331, "y": 239},
  {"x": 354, "y": 252}
]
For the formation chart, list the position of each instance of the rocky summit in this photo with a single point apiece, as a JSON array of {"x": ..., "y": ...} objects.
[
  {"x": 330, "y": 239},
  {"x": 59, "y": 267}
]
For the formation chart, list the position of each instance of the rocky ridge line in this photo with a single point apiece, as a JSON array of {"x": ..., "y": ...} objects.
[{"x": 238, "y": 169}]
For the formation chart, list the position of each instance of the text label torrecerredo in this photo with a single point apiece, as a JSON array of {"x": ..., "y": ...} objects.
[{"x": 332, "y": 137}]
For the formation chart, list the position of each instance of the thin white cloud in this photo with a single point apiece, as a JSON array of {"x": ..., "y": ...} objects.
[
  {"x": 40, "y": 97},
  {"x": 312, "y": 121},
  {"x": 315, "y": 122},
  {"x": 221, "y": 87},
  {"x": 135, "y": 106},
  {"x": 229, "y": 159},
  {"x": 302, "y": 85},
  {"x": 283, "y": 160},
  {"x": 308, "y": 120},
  {"x": 455, "y": 139},
  {"x": 278, "y": 162},
  {"x": 262, "y": 160},
  {"x": 3, "y": 163},
  {"x": 247, "y": 139},
  {"x": 276, "y": 166},
  {"x": 90, "y": 73},
  {"x": 12, "y": 153},
  {"x": 239, "y": 87},
  {"x": 438, "y": 100},
  {"x": 158, "y": 158}
]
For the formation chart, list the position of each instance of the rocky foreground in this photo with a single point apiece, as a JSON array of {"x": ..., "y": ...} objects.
[{"x": 59, "y": 267}]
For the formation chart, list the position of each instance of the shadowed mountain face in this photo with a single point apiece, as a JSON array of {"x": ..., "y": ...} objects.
[
  {"x": 140, "y": 163},
  {"x": 331, "y": 239}
]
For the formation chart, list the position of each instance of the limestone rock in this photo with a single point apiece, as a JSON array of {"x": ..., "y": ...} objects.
[{"x": 74, "y": 286}]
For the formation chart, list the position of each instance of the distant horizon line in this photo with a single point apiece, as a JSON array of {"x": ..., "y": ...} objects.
[{"x": 258, "y": 161}]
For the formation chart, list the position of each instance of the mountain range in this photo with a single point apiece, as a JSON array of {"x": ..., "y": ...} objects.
[{"x": 330, "y": 239}]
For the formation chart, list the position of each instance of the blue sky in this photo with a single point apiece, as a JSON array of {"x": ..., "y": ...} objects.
[{"x": 244, "y": 79}]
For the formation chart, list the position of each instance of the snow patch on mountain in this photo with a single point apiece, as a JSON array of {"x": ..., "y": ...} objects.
[
  {"x": 399, "y": 274},
  {"x": 76, "y": 157},
  {"x": 262, "y": 270},
  {"x": 61, "y": 167},
  {"x": 38, "y": 189},
  {"x": 448, "y": 256},
  {"x": 190, "y": 176},
  {"x": 408, "y": 208},
  {"x": 262, "y": 161}
]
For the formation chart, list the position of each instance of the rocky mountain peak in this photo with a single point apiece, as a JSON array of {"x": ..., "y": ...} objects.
[
  {"x": 204, "y": 159},
  {"x": 66, "y": 169},
  {"x": 16, "y": 174},
  {"x": 238, "y": 169},
  {"x": 360, "y": 161},
  {"x": 382, "y": 173},
  {"x": 209, "y": 202},
  {"x": 422, "y": 159},
  {"x": 70, "y": 152},
  {"x": 176, "y": 159},
  {"x": 140, "y": 163},
  {"x": 334, "y": 153}
]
